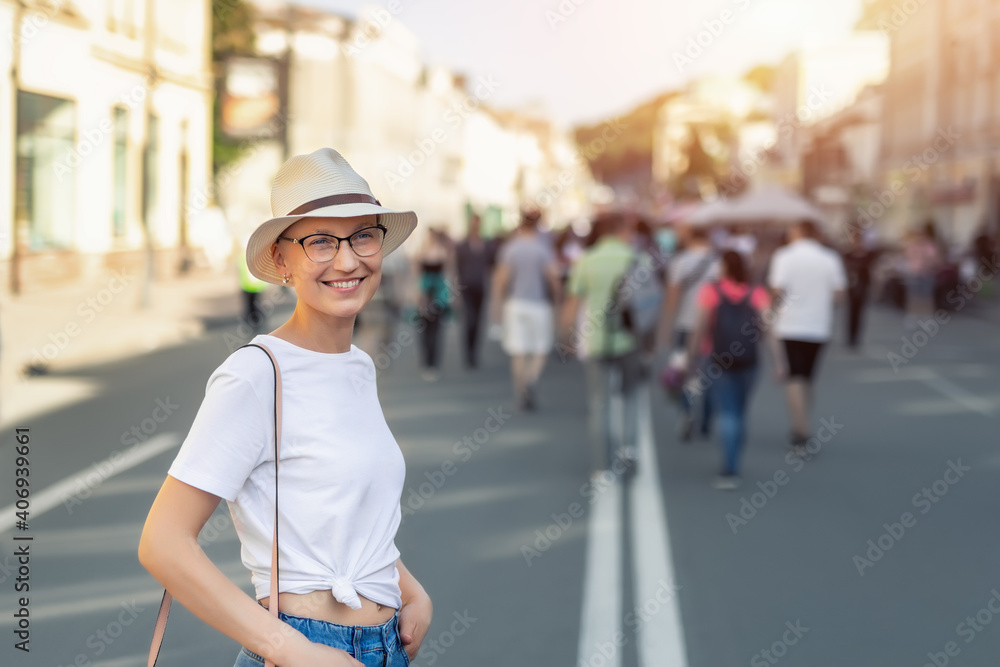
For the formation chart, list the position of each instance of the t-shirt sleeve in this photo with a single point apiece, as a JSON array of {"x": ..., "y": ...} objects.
[
  {"x": 228, "y": 439},
  {"x": 760, "y": 299},
  {"x": 708, "y": 297},
  {"x": 776, "y": 274}
]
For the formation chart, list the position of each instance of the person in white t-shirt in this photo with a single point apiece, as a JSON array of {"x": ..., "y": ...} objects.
[
  {"x": 344, "y": 596},
  {"x": 807, "y": 280}
]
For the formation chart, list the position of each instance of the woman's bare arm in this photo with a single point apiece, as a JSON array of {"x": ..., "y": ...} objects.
[{"x": 169, "y": 549}]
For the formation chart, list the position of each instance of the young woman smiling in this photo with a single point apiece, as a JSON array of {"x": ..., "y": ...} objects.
[{"x": 344, "y": 595}]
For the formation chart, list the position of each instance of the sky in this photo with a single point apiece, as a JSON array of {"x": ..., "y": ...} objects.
[{"x": 583, "y": 61}]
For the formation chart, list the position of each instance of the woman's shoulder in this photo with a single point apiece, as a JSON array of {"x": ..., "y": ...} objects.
[{"x": 249, "y": 363}]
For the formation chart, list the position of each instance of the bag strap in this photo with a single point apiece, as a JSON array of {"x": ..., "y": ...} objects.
[{"x": 161, "y": 617}]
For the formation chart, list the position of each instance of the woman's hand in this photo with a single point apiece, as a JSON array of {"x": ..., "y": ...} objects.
[{"x": 414, "y": 621}]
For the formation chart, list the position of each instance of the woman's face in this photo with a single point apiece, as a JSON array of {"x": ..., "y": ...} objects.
[{"x": 340, "y": 287}]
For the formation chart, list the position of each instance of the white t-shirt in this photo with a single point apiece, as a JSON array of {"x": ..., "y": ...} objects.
[
  {"x": 808, "y": 274},
  {"x": 682, "y": 271},
  {"x": 341, "y": 472}
]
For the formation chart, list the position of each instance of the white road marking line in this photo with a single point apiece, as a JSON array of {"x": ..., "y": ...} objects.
[
  {"x": 660, "y": 635},
  {"x": 601, "y": 615},
  {"x": 56, "y": 494},
  {"x": 928, "y": 376}
]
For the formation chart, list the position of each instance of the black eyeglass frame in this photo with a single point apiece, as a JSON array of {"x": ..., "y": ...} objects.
[{"x": 339, "y": 240}]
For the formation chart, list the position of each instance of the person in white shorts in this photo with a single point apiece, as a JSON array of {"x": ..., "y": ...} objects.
[{"x": 525, "y": 288}]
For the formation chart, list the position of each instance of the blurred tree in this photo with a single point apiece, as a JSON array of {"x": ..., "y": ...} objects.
[
  {"x": 620, "y": 152},
  {"x": 232, "y": 35}
]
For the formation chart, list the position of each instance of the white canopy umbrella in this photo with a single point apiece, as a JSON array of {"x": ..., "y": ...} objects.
[{"x": 770, "y": 203}]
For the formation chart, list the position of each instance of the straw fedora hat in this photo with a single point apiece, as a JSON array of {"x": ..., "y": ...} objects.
[{"x": 320, "y": 184}]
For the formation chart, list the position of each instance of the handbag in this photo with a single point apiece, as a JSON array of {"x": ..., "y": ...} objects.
[{"x": 164, "y": 612}]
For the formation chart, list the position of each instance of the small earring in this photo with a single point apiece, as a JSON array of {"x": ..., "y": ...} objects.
[{"x": 284, "y": 278}]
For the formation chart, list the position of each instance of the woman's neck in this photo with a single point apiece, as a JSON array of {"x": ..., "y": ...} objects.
[{"x": 317, "y": 331}]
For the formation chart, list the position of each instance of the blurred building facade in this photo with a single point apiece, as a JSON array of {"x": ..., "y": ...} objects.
[
  {"x": 109, "y": 115},
  {"x": 426, "y": 138},
  {"x": 941, "y": 119}
]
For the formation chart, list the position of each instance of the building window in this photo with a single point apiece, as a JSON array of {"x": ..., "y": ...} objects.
[
  {"x": 120, "y": 173},
  {"x": 151, "y": 172},
  {"x": 45, "y": 193},
  {"x": 121, "y": 17}
]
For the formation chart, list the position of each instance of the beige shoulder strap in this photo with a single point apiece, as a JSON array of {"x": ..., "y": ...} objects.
[{"x": 161, "y": 618}]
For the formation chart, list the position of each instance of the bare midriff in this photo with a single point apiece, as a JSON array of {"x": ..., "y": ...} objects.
[{"x": 322, "y": 606}]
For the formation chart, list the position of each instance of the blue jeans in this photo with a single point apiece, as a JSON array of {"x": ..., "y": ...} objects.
[
  {"x": 374, "y": 645},
  {"x": 731, "y": 393}
]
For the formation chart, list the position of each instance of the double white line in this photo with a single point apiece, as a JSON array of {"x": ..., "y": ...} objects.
[{"x": 659, "y": 634}]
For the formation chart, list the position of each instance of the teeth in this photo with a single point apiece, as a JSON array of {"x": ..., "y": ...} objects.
[{"x": 344, "y": 284}]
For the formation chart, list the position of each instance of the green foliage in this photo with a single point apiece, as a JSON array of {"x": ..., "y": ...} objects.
[{"x": 232, "y": 35}]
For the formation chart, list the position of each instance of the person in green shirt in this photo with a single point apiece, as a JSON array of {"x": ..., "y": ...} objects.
[{"x": 611, "y": 353}]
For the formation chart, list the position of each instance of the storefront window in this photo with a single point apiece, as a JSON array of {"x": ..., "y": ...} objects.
[
  {"x": 45, "y": 196},
  {"x": 151, "y": 172}
]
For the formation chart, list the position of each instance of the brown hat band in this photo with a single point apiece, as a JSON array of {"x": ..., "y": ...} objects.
[{"x": 333, "y": 200}]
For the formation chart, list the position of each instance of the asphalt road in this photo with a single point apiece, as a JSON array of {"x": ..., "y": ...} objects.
[{"x": 489, "y": 525}]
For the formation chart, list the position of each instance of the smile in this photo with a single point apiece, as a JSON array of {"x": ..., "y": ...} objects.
[{"x": 343, "y": 284}]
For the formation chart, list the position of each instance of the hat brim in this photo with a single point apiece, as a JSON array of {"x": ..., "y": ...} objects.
[{"x": 399, "y": 225}]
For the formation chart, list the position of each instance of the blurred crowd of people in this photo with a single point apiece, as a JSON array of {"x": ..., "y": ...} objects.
[{"x": 714, "y": 295}]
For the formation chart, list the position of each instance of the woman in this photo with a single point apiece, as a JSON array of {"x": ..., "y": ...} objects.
[
  {"x": 433, "y": 266},
  {"x": 345, "y": 597},
  {"x": 730, "y": 319}
]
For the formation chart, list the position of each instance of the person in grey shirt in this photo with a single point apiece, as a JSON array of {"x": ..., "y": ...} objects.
[
  {"x": 694, "y": 266},
  {"x": 525, "y": 289}
]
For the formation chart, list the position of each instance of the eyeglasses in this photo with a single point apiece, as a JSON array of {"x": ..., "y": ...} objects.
[{"x": 321, "y": 248}]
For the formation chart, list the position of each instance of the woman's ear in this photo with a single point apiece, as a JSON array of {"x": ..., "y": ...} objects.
[{"x": 278, "y": 258}]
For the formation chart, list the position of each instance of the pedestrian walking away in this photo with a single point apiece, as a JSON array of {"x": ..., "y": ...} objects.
[
  {"x": 472, "y": 258},
  {"x": 806, "y": 280},
  {"x": 695, "y": 266},
  {"x": 611, "y": 353},
  {"x": 344, "y": 595},
  {"x": 434, "y": 263},
  {"x": 858, "y": 269},
  {"x": 730, "y": 313},
  {"x": 524, "y": 294}
]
